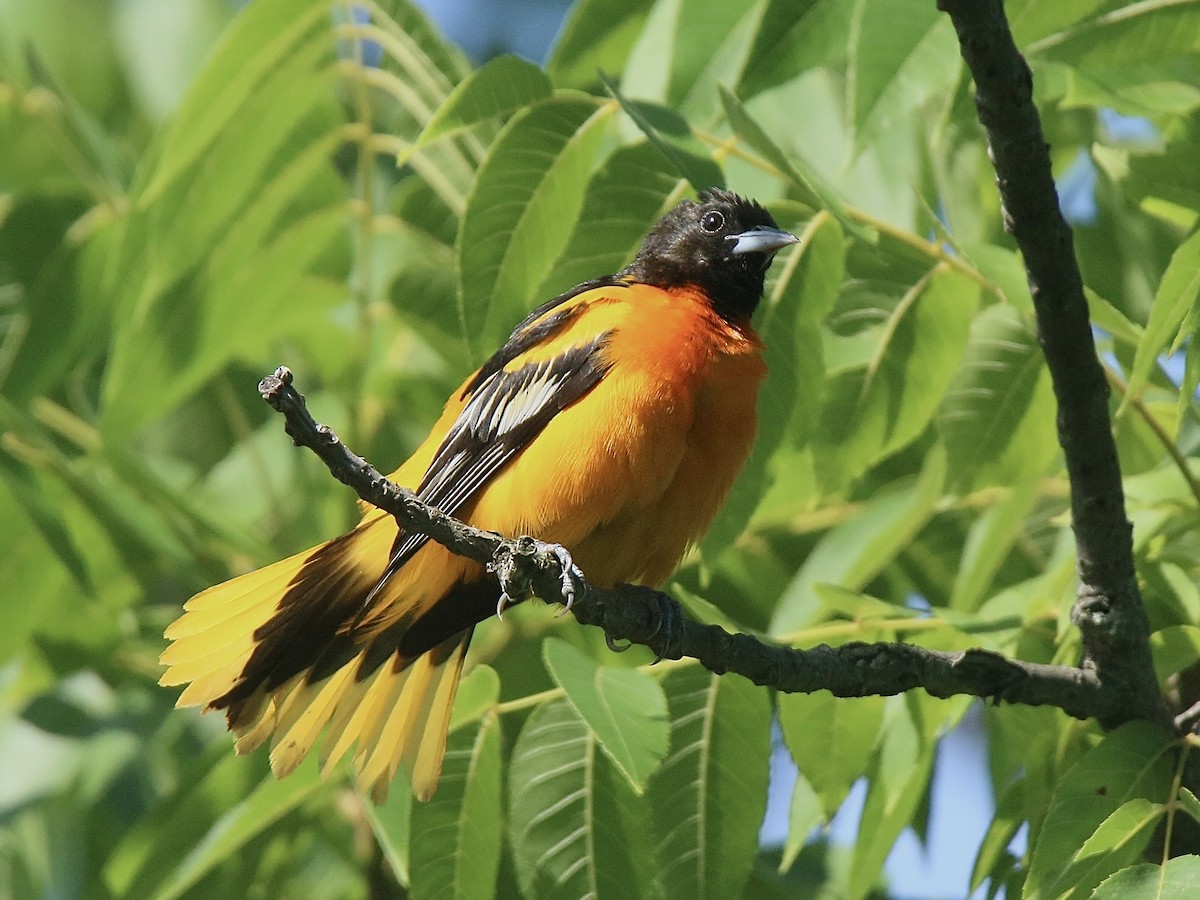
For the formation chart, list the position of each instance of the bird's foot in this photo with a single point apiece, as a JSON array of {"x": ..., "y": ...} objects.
[
  {"x": 514, "y": 576},
  {"x": 667, "y": 627}
]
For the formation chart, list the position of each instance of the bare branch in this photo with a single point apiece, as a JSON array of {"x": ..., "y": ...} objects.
[
  {"x": 1108, "y": 608},
  {"x": 633, "y": 613}
]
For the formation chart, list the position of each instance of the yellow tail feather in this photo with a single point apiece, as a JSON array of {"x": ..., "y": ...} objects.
[{"x": 395, "y": 715}]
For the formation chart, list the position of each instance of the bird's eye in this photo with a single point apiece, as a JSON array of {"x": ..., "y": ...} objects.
[{"x": 712, "y": 222}]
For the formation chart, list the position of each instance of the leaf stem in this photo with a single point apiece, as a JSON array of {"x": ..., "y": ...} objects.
[{"x": 1143, "y": 411}]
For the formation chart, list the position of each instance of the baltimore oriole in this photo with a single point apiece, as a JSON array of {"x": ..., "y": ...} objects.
[{"x": 613, "y": 422}]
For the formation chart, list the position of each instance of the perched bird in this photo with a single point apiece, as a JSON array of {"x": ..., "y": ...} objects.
[{"x": 613, "y": 422}]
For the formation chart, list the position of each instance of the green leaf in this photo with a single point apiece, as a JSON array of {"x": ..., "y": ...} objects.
[
  {"x": 597, "y": 37},
  {"x": 1174, "y": 649},
  {"x": 813, "y": 189},
  {"x": 993, "y": 857},
  {"x": 1176, "y": 294},
  {"x": 897, "y": 779},
  {"x": 502, "y": 85},
  {"x": 455, "y": 844},
  {"x": 990, "y": 538},
  {"x": 710, "y": 794},
  {"x": 712, "y": 44},
  {"x": 996, "y": 417},
  {"x": 183, "y": 273},
  {"x": 1138, "y": 32},
  {"x": 794, "y": 37},
  {"x": 1191, "y": 373},
  {"x": 1032, "y": 20},
  {"x": 874, "y": 411},
  {"x": 838, "y": 602},
  {"x": 624, "y": 199},
  {"x": 1166, "y": 183},
  {"x": 264, "y": 35},
  {"x": 1119, "y": 840},
  {"x": 528, "y": 192},
  {"x": 33, "y": 585},
  {"x": 174, "y": 864},
  {"x": 700, "y": 172},
  {"x": 46, "y": 516},
  {"x": 390, "y": 822},
  {"x": 578, "y": 829},
  {"x": 1132, "y": 762},
  {"x": 1111, "y": 319},
  {"x": 626, "y": 710},
  {"x": 901, "y": 53},
  {"x": 831, "y": 739},
  {"x": 802, "y": 293},
  {"x": 179, "y": 348},
  {"x": 686, "y": 48},
  {"x": 804, "y": 814},
  {"x": 477, "y": 695},
  {"x": 1154, "y": 90},
  {"x": 415, "y": 44},
  {"x": 1189, "y": 803},
  {"x": 1179, "y": 879},
  {"x": 854, "y": 552}
]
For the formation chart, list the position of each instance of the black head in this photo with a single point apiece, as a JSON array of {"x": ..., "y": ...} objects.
[{"x": 723, "y": 244}]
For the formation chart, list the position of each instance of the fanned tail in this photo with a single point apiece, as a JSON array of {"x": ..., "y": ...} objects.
[{"x": 276, "y": 650}]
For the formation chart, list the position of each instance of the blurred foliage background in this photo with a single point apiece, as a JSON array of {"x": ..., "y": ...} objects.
[{"x": 193, "y": 192}]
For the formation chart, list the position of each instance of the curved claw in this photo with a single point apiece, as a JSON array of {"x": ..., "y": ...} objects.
[
  {"x": 669, "y": 625},
  {"x": 570, "y": 572},
  {"x": 502, "y": 604},
  {"x": 614, "y": 646}
]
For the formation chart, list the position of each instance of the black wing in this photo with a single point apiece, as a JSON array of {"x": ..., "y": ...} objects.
[
  {"x": 528, "y": 334},
  {"x": 507, "y": 410}
]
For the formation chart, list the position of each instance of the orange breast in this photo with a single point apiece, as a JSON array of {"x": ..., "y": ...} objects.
[{"x": 633, "y": 473}]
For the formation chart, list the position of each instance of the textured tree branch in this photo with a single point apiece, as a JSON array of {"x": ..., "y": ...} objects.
[
  {"x": 1108, "y": 609},
  {"x": 635, "y": 614}
]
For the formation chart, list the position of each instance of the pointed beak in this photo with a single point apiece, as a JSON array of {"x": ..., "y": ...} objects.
[{"x": 761, "y": 240}]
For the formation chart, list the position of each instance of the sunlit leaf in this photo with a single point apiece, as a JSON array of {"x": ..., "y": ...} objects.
[
  {"x": 700, "y": 171},
  {"x": 989, "y": 540},
  {"x": 1175, "y": 648},
  {"x": 1176, "y": 294},
  {"x": 596, "y": 38},
  {"x": 873, "y": 410},
  {"x": 831, "y": 739},
  {"x": 1179, "y": 879},
  {"x": 855, "y": 551},
  {"x": 710, "y": 794},
  {"x": 531, "y": 185},
  {"x": 578, "y": 827},
  {"x": 793, "y": 38},
  {"x": 1137, "y": 32},
  {"x": 454, "y": 849},
  {"x": 901, "y": 52},
  {"x": 996, "y": 415},
  {"x": 814, "y": 190},
  {"x": 624, "y": 198},
  {"x": 626, "y": 710},
  {"x": 502, "y": 85},
  {"x": 261, "y": 37},
  {"x": 804, "y": 814},
  {"x": 897, "y": 779},
  {"x": 1130, "y": 763}
]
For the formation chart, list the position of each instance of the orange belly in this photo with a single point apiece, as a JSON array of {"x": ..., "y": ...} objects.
[{"x": 627, "y": 499}]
